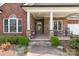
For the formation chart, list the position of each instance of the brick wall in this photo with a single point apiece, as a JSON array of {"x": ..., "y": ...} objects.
[
  {"x": 73, "y": 21},
  {"x": 32, "y": 21},
  {"x": 9, "y": 9},
  {"x": 46, "y": 25}
]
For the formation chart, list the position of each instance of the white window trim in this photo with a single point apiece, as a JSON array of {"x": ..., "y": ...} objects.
[
  {"x": 16, "y": 25},
  {"x": 3, "y": 26},
  {"x": 9, "y": 26},
  {"x": 61, "y": 24}
]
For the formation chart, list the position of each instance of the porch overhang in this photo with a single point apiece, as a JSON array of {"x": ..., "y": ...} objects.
[{"x": 53, "y": 9}]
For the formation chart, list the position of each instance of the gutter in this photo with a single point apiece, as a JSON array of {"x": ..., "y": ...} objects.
[{"x": 49, "y": 5}]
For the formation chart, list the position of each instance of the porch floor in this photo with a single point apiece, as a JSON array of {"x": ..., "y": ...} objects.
[
  {"x": 41, "y": 37},
  {"x": 46, "y": 37}
]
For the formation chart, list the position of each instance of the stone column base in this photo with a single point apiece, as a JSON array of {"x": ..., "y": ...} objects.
[
  {"x": 28, "y": 33},
  {"x": 51, "y": 33}
]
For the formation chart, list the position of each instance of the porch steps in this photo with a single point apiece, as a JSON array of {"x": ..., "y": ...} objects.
[
  {"x": 41, "y": 43},
  {"x": 44, "y": 42},
  {"x": 39, "y": 40}
]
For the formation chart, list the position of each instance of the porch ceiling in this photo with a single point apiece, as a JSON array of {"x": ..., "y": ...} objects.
[
  {"x": 57, "y": 11},
  {"x": 55, "y": 14}
]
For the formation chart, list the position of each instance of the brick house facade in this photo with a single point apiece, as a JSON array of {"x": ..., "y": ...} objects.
[
  {"x": 9, "y": 9},
  {"x": 30, "y": 15}
]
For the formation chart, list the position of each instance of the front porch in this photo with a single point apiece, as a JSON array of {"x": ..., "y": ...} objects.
[
  {"x": 42, "y": 25},
  {"x": 50, "y": 21},
  {"x": 58, "y": 19}
]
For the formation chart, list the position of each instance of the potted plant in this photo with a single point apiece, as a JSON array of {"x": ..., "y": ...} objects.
[{"x": 20, "y": 50}]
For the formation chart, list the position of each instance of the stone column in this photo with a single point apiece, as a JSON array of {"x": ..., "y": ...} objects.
[
  {"x": 28, "y": 25},
  {"x": 51, "y": 24}
]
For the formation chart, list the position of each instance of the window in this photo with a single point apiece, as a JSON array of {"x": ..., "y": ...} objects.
[
  {"x": 55, "y": 25},
  {"x": 6, "y": 25},
  {"x": 58, "y": 25},
  {"x": 19, "y": 26},
  {"x": 12, "y": 24}
]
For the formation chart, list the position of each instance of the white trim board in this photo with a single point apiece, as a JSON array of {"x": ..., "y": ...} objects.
[{"x": 53, "y": 9}]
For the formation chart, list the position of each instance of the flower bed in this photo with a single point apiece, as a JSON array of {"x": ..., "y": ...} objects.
[
  {"x": 71, "y": 46},
  {"x": 7, "y": 41}
]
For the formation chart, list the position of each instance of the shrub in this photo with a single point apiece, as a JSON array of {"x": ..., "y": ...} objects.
[
  {"x": 12, "y": 39},
  {"x": 21, "y": 40},
  {"x": 3, "y": 40},
  {"x": 74, "y": 43},
  {"x": 54, "y": 41}
]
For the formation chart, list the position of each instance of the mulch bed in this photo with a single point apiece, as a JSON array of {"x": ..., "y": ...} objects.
[{"x": 8, "y": 50}]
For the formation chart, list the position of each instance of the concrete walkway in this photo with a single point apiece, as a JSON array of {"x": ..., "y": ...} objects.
[
  {"x": 44, "y": 50},
  {"x": 40, "y": 46}
]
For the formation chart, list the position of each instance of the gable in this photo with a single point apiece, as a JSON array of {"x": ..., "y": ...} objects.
[{"x": 12, "y": 8}]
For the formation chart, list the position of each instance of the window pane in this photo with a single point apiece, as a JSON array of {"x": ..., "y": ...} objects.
[
  {"x": 55, "y": 25},
  {"x": 12, "y": 25},
  {"x": 19, "y": 28},
  {"x": 19, "y": 25},
  {"x": 6, "y": 22},
  {"x": 59, "y": 25},
  {"x": 6, "y": 25},
  {"x": 6, "y": 28},
  {"x": 12, "y": 16},
  {"x": 19, "y": 22}
]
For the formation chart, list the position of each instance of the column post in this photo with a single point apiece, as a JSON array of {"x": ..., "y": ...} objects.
[
  {"x": 28, "y": 25},
  {"x": 51, "y": 24}
]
